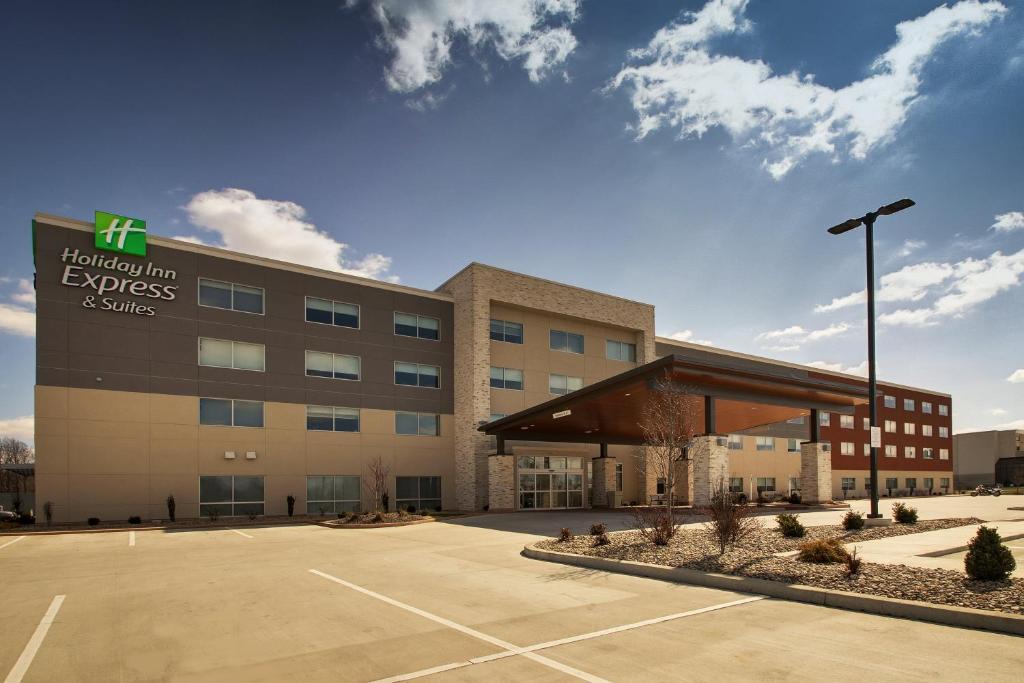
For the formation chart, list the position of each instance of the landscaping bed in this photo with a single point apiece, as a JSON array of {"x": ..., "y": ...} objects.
[
  {"x": 122, "y": 525},
  {"x": 370, "y": 520},
  {"x": 756, "y": 557}
]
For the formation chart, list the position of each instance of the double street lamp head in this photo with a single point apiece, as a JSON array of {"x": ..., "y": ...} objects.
[{"x": 886, "y": 210}]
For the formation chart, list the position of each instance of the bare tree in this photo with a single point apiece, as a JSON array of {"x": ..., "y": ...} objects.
[
  {"x": 728, "y": 522},
  {"x": 669, "y": 420},
  {"x": 376, "y": 483},
  {"x": 14, "y": 452}
]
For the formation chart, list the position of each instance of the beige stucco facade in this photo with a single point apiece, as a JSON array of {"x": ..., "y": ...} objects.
[{"x": 115, "y": 454}]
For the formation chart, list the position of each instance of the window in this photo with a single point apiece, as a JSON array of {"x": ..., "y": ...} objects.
[
  {"x": 416, "y": 375},
  {"x": 929, "y": 483},
  {"x": 849, "y": 483},
  {"x": 890, "y": 402},
  {"x": 943, "y": 410},
  {"x": 867, "y": 450},
  {"x": 765, "y": 443},
  {"x": 890, "y": 426},
  {"x": 332, "y": 419},
  {"x": 943, "y": 454},
  {"x": 794, "y": 483},
  {"x": 505, "y": 331},
  {"x": 736, "y": 442},
  {"x": 926, "y": 407},
  {"x": 909, "y": 452},
  {"x": 420, "y": 326},
  {"x": 334, "y": 365},
  {"x": 943, "y": 432},
  {"x": 616, "y": 350},
  {"x": 824, "y": 419},
  {"x": 417, "y": 424},
  {"x": 507, "y": 378},
  {"x": 566, "y": 341},
  {"x": 765, "y": 484},
  {"x": 908, "y": 404},
  {"x": 891, "y": 483},
  {"x": 911, "y": 483},
  {"x": 327, "y": 312},
  {"x": 562, "y": 384},
  {"x": 846, "y": 421},
  {"x": 220, "y": 353},
  {"x": 926, "y": 453},
  {"x": 420, "y": 493},
  {"x": 890, "y": 451},
  {"x": 944, "y": 482},
  {"x": 735, "y": 484},
  {"x": 793, "y": 446},
  {"x": 229, "y": 496},
  {"x": 908, "y": 428},
  {"x": 327, "y": 494},
  {"x": 661, "y": 487},
  {"x": 795, "y": 420},
  {"x": 926, "y": 430},
  {"x": 230, "y": 412},
  {"x": 867, "y": 424},
  {"x": 229, "y": 296},
  {"x": 846, "y": 448},
  {"x": 867, "y": 483},
  {"x": 618, "y": 476}
]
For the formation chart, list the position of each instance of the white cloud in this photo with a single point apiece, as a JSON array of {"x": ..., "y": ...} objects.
[
  {"x": 18, "y": 427},
  {"x": 861, "y": 369},
  {"x": 276, "y": 229},
  {"x": 910, "y": 283},
  {"x": 910, "y": 246},
  {"x": 687, "y": 336},
  {"x": 19, "y": 317},
  {"x": 420, "y": 34},
  {"x": 974, "y": 281},
  {"x": 998, "y": 412},
  {"x": 792, "y": 338},
  {"x": 1016, "y": 377},
  {"x": 678, "y": 82},
  {"x": 1008, "y": 222}
]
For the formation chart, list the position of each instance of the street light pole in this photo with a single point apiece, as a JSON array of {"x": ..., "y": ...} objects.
[{"x": 868, "y": 220}]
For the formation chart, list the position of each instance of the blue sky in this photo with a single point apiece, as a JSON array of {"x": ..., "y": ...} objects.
[{"x": 689, "y": 154}]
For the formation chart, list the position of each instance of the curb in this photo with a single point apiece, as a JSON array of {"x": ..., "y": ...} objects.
[
  {"x": 948, "y": 615},
  {"x": 113, "y": 529},
  {"x": 378, "y": 525}
]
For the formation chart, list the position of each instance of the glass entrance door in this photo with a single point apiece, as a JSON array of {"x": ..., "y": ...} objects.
[{"x": 550, "y": 482}]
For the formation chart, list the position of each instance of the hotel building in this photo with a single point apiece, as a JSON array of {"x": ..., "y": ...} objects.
[{"x": 233, "y": 382}]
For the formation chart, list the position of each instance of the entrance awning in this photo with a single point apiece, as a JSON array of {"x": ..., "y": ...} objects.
[{"x": 745, "y": 394}]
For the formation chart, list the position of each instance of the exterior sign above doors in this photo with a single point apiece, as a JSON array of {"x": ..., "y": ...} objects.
[{"x": 124, "y": 236}]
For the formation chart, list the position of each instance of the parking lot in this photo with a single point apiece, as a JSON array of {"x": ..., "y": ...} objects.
[{"x": 445, "y": 601}]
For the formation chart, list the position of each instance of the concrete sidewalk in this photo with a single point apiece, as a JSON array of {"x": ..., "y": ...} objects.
[{"x": 942, "y": 549}]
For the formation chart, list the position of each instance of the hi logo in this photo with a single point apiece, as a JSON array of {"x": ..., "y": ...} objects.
[{"x": 120, "y": 233}]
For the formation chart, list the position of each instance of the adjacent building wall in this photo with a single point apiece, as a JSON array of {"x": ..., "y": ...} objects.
[{"x": 977, "y": 453}]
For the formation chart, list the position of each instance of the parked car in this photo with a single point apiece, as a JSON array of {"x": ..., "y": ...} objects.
[{"x": 7, "y": 515}]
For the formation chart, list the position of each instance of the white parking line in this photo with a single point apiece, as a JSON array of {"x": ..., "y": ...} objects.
[
  {"x": 29, "y": 653},
  {"x": 131, "y": 539},
  {"x": 240, "y": 533},
  {"x": 566, "y": 641},
  {"x": 540, "y": 659},
  {"x": 19, "y": 538}
]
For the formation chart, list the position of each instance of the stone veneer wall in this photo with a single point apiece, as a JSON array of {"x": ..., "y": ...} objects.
[
  {"x": 604, "y": 481},
  {"x": 815, "y": 473},
  {"x": 474, "y": 289},
  {"x": 708, "y": 468},
  {"x": 501, "y": 482}
]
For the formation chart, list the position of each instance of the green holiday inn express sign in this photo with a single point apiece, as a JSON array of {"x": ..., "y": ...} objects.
[{"x": 120, "y": 233}]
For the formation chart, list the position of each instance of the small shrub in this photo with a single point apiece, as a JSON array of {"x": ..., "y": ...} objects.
[
  {"x": 602, "y": 539},
  {"x": 794, "y": 498},
  {"x": 342, "y": 515},
  {"x": 565, "y": 535},
  {"x": 291, "y": 505},
  {"x": 598, "y": 528},
  {"x": 48, "y": 511},
  {"x": 904, "y": 514},
  {"x": 93, "y": 521},
  {"x": 822, "y": 551},
  {"x": 170, "y": 507},
  {"x": 728, "y": 522},
  {"x": 653, "y": 523},
  {"x": 213, "y": 514},
  {"x": 987, "y": 558},
  {"x": 853, "y": 563},
  {"x": 252, "y": 517},
  {"x": 790, "y": 526},
  {"x": 135, "y": 519},
  {"x": 853, "y": 521},
  {"x": 26, "y": 518},
  {"x": 411, "y": 509},
  {"x": 377, "y": 517}
]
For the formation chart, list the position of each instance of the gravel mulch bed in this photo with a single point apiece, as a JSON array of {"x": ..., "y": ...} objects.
[{"x": 756, "y": 557}]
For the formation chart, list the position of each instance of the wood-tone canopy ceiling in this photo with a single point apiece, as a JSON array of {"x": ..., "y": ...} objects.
[{"x": 747, "y": 394}]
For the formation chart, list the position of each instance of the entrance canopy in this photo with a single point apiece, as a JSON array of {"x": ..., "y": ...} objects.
[{"x": 731, "y": 395}]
